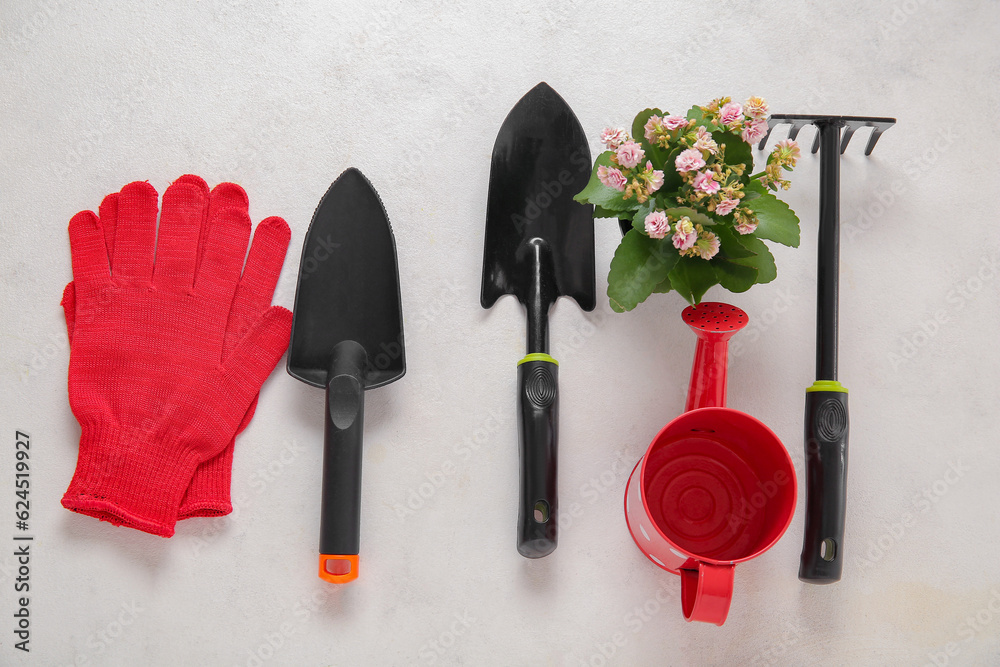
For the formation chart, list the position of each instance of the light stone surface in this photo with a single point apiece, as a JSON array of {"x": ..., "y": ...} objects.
[{"x": 281, "y": 97}]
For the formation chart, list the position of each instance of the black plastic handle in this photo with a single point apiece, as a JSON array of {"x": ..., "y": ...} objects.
[
  {"x": 340, "y": 519},
  {"x": 826, "y": 430},
  {"x": 537, "y": 421}
]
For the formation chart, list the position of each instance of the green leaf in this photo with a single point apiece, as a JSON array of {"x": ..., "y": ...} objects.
[
  {"x": 639, "y": 124},
  {"x": 691, "y": 277},
  {"x": 695, "y": 113},
  {"x": 729, "y": 245},
  {"x": 639, "y": 219},
  {"x": 601, "y": 212},
  {"x": 672, "y": 181},
  {"x": 734, "y": 265},
  {"x": 655, "y": 154},
  {"x": 733, "y": 276},
  {"x": 663, "y": 287},
  {"x": 677, "y": 212},
  {"x": 594, "y": 185},
  {"x": 737, "y": 150},
  {"x": 778, "y": 222},
  {"x": 598, "y": 194},
  {"x": 639, "y": 266},
  {"x": 762, "y": 259}
]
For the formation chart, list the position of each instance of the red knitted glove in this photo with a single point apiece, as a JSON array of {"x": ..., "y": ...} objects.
[
  {"x": 166, "y": 359},
  {"x": 209, "y": 491}
]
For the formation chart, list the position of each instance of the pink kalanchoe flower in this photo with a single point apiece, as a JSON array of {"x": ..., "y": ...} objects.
[
  {"x": 657, "y": 225},
  {"x": 655, "y": 177},
  {"x": 705, "y": 182},
  {"x": 653, "y": 125},
  {"x": 684, "y": 234},
  {"x": 675, "y": 122},
  {"x": 613, "y": 137},
  {"x": 611, "y": 177},
  {"x": 731, "y": 113},
  {"x": 689, "y": 160},
  {"x": 746, "y": 226},
  {"x": 754, "y": 131},
  {"x": 707, "y": 246},
  {"x": 756, "y": 107},
  {"x": 630, "y": 154},
  {"x": 788, "y": 151},
  {"x": 726, "y": 206},
  {"x": 704, "y": 141}
]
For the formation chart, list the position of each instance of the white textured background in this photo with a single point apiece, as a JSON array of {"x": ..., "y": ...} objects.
[{"x": 281, "y": 97}]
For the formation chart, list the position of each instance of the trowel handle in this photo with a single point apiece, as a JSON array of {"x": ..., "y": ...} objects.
[
  {"x": 537, "y": 421},
  {"x": 826, "y": 430},
  {"x": 340, "y": 517}
]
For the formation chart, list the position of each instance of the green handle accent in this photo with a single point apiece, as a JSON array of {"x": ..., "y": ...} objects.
[
  {"x": 541, "y": 356},
  {"x": 827, "y": 385}
]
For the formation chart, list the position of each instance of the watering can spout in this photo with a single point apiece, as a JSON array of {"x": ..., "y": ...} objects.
[{"x": 714, "y": 324}]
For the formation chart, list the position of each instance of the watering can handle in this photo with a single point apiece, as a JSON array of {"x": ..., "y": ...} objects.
[{"x": 706, "y": 592}]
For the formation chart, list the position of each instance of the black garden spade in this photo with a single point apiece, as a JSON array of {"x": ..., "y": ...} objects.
[
  {"x": 347, "y": 336},
  {"x": 539, "y": 246}
]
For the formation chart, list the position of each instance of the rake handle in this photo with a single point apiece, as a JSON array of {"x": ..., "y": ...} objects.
[{"x": 826, "y": 433}]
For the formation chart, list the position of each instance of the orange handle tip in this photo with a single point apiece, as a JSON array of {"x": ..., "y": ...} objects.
[{"x": 338, "y": 569}]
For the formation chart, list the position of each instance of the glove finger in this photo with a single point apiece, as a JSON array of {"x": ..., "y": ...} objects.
[
  {"x": 69, "y": 309},
  {"x": 260, "y": 276},
  {"x": 198, "y": 180},
  {"x": 256, "y": 355},
  {"x": 185, "y": 207},
  {"x": 226, "y": 244},
  {"x": 90, "y": 255},
  {"x": 108, "y": 213},
  {"x": 135, "y": 232}
]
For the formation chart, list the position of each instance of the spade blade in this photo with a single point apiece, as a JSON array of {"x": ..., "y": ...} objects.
[
  {"x": 348, "y": 286},
  {"x": 540, "y": 161}
]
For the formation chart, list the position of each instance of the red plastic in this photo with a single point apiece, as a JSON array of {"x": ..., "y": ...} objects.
[{"x": 716, "y": 486}]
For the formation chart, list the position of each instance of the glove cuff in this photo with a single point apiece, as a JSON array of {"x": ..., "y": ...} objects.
[
  {"x": 131, "y": 477},
  {"x": 208, "y": 493}
]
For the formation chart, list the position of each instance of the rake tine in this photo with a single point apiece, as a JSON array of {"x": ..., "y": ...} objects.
[
  {"x": 851, "y": 124},
  {"x": 849, "y": 131},
  {"x": 873, "y": 138},
  {"x": 771, "y": 124},
  {"x": 763, "y": 142}
]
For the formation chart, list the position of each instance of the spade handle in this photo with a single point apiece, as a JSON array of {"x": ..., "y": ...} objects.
[
  {"x": 537, "y": 421},
  {"x": 340, "y": 517}
]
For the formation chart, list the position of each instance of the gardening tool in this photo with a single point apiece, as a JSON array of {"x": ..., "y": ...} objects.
[
  {"x": 716, "y": 486},
  {"x": 347, "y": 336},
  {"x": 539, "y": 246},
  {"x": 826, "y": 418}
]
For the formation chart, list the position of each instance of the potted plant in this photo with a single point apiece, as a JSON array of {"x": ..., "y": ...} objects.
[{"x": 692, "y": 212}]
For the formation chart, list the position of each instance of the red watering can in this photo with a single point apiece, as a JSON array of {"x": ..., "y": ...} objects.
[{"x": 716, "y": 486}]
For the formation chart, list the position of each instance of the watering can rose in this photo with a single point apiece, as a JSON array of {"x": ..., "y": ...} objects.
[{"x": 698, "y": 214}]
